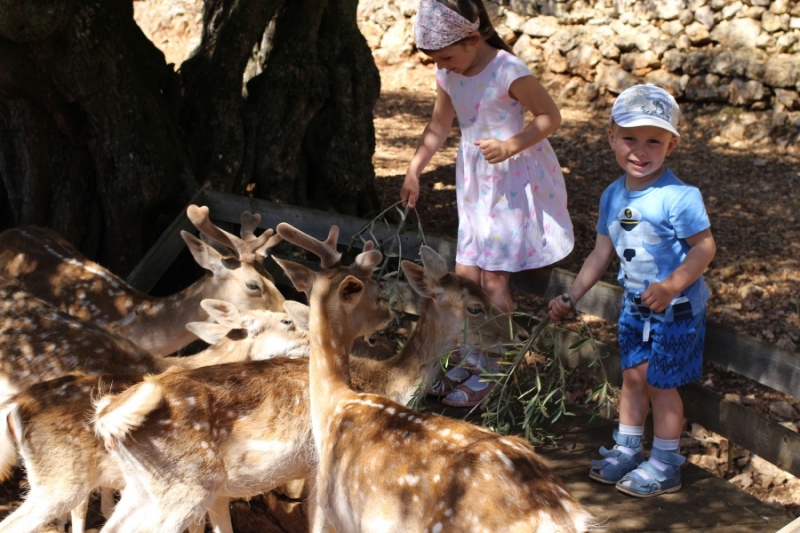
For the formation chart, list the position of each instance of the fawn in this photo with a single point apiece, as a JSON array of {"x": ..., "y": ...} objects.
[
  {"x": 49, "y": 425},
  {"x": 248, "y": 428},
  {"x": 384, "y": 467},
  {"x": 52, "y": 269}
]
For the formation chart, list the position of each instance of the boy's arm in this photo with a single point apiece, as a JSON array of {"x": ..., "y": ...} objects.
[
  {"x": 433, "y": 137},
  {"x": 592, "y": 270},
  {"x": 659, "y": 294}
]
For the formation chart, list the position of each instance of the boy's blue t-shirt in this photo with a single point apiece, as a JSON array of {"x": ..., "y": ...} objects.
[{"x": 648, "y": 229}]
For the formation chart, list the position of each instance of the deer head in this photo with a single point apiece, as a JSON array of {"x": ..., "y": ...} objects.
[{"x": 52, "y": 269}]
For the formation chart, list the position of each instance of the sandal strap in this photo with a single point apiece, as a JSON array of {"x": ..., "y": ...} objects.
[
  {"x": 669, "y": 458},
  {"x": 629, "y": 441}
]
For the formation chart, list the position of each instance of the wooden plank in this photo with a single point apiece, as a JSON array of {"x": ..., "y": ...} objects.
[
  {"x": 724, "y": 347},
  {"x": 760, "y": 435},
  {"x": 793, "y": 527}
]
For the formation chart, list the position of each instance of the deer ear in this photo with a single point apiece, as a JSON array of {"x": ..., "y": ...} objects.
[
  {"x": 433, "y": 262},
  {"x": 351, "y": 289},
  {"x": 300, "y": 276},
  {"x": 420, "y": 280},
  {"x": 224, "y": 313},
  {"x": 206, "y": 256},
  {"x": 299, "y": 313},
  {"x": 208, "y": 332}
]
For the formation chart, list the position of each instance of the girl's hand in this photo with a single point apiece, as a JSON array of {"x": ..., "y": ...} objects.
[
  {"x": 409, "y": 192},
  {"x": 494, "y": 151},
  {"x": 559, "y": 308}
]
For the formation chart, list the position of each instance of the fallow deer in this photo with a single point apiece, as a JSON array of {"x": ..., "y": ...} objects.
[
  {"x": 38, "y": 342},
  {"x": 49, "y": 425},
  {"x": 51, "y": 268},
  {"x": 182, "y": 457},
  {"x": 384, "y": 467}
]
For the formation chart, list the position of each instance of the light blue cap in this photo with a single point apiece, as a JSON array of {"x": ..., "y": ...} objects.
[{"x": 646, "y": 105}]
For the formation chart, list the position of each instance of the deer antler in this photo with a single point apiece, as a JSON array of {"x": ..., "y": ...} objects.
[
  {"x": 325, "y": 250},
  {"x": 249, "y": 248},
  {"x": 366, "y": 261}
]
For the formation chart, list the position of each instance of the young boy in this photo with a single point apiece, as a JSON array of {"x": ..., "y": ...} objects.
[{"x": 658, "y": 227}]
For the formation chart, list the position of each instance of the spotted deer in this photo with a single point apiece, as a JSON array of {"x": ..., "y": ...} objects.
[
  {"x": 49, "y": 424},
  {"x": 385, "y": 467},
  {"x": 51, "y": 268},
  {"x": 182, "y": 457},
  {"x": 38, "y": 342}
]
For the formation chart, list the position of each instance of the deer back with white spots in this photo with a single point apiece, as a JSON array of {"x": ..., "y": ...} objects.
[
  {"x": 385, "y": 467},
  {"x": 55, "y": 271},
  {"x": 49, "y": 424}
]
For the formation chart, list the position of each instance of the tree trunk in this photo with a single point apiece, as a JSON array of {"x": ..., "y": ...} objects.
[{"x": 103, "y": 141}]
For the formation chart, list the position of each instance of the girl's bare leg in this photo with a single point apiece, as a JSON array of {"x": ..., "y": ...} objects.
[{"x": 497, "y": 287}]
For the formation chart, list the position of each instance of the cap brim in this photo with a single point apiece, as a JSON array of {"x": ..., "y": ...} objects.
[{"x": 649, "y": 121}]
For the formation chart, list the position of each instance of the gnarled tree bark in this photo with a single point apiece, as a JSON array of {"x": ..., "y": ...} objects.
[{"x": 103, "y": 141}]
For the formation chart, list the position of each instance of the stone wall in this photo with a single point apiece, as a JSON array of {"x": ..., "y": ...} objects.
[{"x": 739, "y": 55}]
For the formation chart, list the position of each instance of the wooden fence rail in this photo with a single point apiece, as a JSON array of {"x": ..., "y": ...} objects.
[{"x": 725, "y": 348}]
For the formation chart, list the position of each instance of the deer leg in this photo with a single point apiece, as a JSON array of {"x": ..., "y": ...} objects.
[
  {"x": 106, "y": 502},
  {"x": 79, "y": 515},
  {"x": 316, "y": 516},
  {"x": 219, "y": 514},
  {"x": 132, "y": 499},
  {"x": 197, "y": 526},
  {"x": 39, "y": 509}
]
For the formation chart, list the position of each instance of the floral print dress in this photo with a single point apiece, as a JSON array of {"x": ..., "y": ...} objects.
[{"x": 512, "y": 216}]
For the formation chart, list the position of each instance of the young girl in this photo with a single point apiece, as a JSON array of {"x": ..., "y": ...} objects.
[{"x": 512, "y": 203}]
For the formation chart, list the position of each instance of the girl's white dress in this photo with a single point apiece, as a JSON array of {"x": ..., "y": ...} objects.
[{"x": 512, "y": 216}]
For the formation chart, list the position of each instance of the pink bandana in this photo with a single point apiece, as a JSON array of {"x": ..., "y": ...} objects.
[{"x": 439, "y": 26}]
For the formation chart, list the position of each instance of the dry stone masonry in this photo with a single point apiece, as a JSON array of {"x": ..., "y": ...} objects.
[{"x": 738, "y": 56}]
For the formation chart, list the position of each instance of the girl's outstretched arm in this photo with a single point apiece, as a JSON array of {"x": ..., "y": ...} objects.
[
  {"x": 433, "y": 137},
  {"x": 546, "y": 119}
]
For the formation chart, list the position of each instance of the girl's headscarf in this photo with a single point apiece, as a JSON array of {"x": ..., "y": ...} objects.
[{"x": 438, "y": 26}]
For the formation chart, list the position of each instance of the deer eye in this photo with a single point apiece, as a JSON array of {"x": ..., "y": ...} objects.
[
  {"x": 252, "y": 285},
  {"x": 475, "y": 310},
  {"x": 287, "y": 321}
]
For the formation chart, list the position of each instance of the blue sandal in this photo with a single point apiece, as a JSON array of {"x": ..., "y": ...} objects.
[
  {"x": 605, "y": 471},
  {"x": 648, "y": 480}
]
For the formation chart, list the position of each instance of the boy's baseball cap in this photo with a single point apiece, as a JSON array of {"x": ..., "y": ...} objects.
[{"x": 646, "y": 105}]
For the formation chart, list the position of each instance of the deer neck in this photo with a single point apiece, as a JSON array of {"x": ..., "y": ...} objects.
[
  {"x": 400, "y": 376},
  {"x": 160, "y": 323},
  {"x": 329, "y": 372}
]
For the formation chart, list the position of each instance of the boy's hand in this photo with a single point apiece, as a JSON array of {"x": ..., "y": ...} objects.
[
  {"x": 657, "y": 296},
  {"x": 559, "y": 307},
  {"x": 494, "y": 151},
  {"x": 409, "y": 192}
]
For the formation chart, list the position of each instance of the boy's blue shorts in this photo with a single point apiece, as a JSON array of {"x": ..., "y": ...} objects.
[{"x": 674, "y": 350}]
